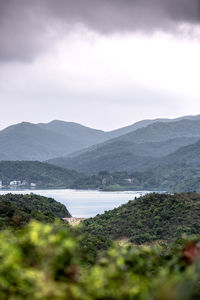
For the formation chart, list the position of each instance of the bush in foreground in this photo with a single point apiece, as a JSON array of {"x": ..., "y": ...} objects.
[{"x": 44, "y": 261}]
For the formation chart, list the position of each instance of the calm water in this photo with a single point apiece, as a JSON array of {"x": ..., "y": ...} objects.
[{"x": 81, "y": 203}]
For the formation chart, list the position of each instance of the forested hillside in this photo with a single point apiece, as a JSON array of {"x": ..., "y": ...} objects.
[
  {"x": 174, "y": 177},
  {"x": 42, "y": 174},
  {"x": 141, "y": 149},
  {"x": 27, "y": 141},
  {"x": 149, "y": 218},
  {"x": 18, "y": 210}
]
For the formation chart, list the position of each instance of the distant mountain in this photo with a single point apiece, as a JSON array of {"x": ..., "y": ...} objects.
[
  {"x": 189, "y": 154},
  {"x": 140, "y": 149},
  {"x": 92, "y": 164},
  {"x": 42, "y": 174},
  {"x": 27, "y": 141},
  {"x": 145, "y": 123},
  {"x": 80, "y": 135}
]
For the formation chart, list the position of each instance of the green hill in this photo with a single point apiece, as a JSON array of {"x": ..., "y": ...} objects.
[
  {"x": 176, "y": 177},
  {"x": 27, "y": 141},
  {"x": 189, "y": 154},
  {"x": 150, "y": 218},
  {"x": 18, "y": 210},
  {"x": 140, "y": 149},
  {"x": 42, "y": 174}
]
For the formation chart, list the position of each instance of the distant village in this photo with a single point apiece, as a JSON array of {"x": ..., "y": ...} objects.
[{"x": 17, "y": 184}]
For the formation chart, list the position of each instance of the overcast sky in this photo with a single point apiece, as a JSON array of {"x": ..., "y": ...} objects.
[{"x": 101, "y": 63}]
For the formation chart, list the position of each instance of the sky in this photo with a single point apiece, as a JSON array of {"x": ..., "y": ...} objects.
[{"x": 102, "y": 63}]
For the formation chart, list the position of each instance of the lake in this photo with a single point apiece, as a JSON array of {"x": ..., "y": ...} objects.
[{"x": 84, "y": 203}]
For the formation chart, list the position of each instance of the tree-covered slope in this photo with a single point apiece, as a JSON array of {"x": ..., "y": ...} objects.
[
  {"x": 18, "y": 210},
  {"x": 123, "y": 156},
  {"x": 91, "y": 164},
  {"x": 26, "y": 141},
  {"x": 80, "y": 135},
  {"x": 135, "y": 150},
  {"x": 145, "y": 123},
  {"x": 149, "y": 218},
  {"x": 189, "y": 154},
  {"x": 174, "y": 177},
  {"x": 42, "y": 174}
]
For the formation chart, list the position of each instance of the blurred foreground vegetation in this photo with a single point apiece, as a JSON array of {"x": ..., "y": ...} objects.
[
  {"x": 45, "y": 261},
  {"x": 51, "y": 260}
]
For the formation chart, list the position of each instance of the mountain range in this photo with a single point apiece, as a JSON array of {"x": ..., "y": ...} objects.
[
  {"x": 45, "y": 141},
  {"x": 156, "y": 144}
]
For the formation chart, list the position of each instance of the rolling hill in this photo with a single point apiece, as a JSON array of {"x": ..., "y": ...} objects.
[
  {"x": 42, "y": 174},
  {"x": 149, "y": 218},
  {"x": 189, "y": 154},
  {"x": 18, "y": 210},
  {"x": 27, "y": 141},
  {"x": 140, "y": 149}
]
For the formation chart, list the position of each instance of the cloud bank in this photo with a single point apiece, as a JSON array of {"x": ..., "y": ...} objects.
[{"x": 27, "y": 27}]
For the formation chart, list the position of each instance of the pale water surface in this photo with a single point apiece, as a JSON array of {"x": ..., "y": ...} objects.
[{"x": 84, "y": 203}]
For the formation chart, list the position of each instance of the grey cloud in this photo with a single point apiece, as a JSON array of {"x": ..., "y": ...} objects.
[
  {"x": 111, "y": 15},
  {"x": 26, "y": 26}
]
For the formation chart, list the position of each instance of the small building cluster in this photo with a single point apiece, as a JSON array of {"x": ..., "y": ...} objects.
[{"x": 18, "y": 183}]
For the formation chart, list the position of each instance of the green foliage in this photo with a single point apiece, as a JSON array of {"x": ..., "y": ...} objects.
[
  {"x": 169, "y": 177},
  {"x": 18, "y": 210},
  {"x": 43, "y": 262},
  {"x": 149, "y": 218}
]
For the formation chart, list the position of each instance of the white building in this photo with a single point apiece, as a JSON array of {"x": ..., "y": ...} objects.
[
  {"x": 33, "y": 184},
  {"x": 15, "y": 182}
]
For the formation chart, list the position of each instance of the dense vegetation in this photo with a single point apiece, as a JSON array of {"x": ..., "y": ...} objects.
[
  {"x": 43, "y": 261},
  {"x": 150, "y": 218},
  {"x": 42, "y": 174},
  {"x": 168, "y": 177},
  {"x": 46, "y": 262},
  {"x": 171, "y": 178},
  {"x": 18, "y": 210}
]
